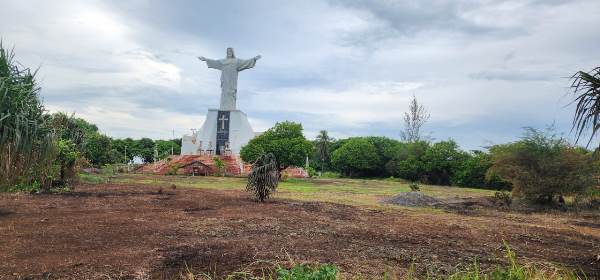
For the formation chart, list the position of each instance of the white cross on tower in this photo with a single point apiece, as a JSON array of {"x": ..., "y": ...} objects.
[{"x": 223, "y": 119}]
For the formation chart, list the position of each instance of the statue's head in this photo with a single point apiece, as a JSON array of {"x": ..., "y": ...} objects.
[{"x": 230, "y": 53}]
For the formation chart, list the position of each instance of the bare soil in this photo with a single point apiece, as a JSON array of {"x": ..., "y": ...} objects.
[{"x": 133, "y": 232}]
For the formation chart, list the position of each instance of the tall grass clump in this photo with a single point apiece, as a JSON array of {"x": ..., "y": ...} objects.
[{"x": 27, "y": 147}]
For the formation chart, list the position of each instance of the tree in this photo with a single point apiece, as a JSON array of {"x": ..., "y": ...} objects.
[
  {"x": 357, "y": 157},
  {"x": 322, "y": 146},
  {"x": 586, "y": 87},
  {"x": 126, "y": 149},
  {"x": 472, "y": 173},
  {"x": 542, "y": 165},
  {"x": 98, "y": 150},
  {"x": 385, "y": 148},
  {"x": 145, "y": 149},
  {"x": 414, "y": 119},
  {"x": 441, "y": 161},
  {"x": 264, "y": 177},
  {"x": 164, "y": 148},
  {"x": 285, "y": 141}
]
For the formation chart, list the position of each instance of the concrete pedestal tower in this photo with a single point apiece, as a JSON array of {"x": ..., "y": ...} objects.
[{"x": 225, "y": 130}]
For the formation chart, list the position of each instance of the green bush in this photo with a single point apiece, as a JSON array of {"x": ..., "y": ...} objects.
[
  {"x": 32, "y": 187},
  {"x": 220, "y": 165},
  {"x": 357, "y": 157},
  {"x": 414, "y": 187},
  {"x": 472, "y": 173},
  {"x": 312, "y": 172},
  {"x": 330, "y": 175},
  {"x": 305, "y": 272},
  {"x": 542, "y": 166}
]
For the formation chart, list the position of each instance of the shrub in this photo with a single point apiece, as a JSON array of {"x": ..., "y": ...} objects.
[
  {"x": 472, "y": 173},
  {"x": 414, "y": 186},
  {"x": 357, "y": 157},
  {"x": 502, "y": 198},
  {"x": 330, "y": 175},
  {"x": 312, "y": 172},
  {"x": 305, "y": 272},
  {"x": 174, "y": 168},
  {"x": 220, "y": 165},
  {"x": 67, "y": 159},
  {"x": 541, "y": 166}
]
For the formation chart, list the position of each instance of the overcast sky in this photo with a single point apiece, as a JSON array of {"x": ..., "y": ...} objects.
[{"x": 483, "y": 69}]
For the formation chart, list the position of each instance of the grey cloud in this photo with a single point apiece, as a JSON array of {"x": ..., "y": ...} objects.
[
  {"x": 457, "y": 49},
  {"x": 405, "y": 18},
  {"x": 512, "y": 75}
]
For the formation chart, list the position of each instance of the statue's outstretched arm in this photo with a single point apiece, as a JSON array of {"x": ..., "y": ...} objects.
[
  {"x": 211, "y": 63},
  {"x": 247, "y": 64}
]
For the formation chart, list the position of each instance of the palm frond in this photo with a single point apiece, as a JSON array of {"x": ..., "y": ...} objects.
[
  {"x": 586, "y": 88},
  {"x": 264, "y": 177}
]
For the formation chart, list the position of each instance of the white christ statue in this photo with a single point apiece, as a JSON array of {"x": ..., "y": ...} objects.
[{"x": 229, "y": 66}]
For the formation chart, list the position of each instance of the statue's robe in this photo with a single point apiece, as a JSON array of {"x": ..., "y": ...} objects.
[{"x": 229, "y": 74}]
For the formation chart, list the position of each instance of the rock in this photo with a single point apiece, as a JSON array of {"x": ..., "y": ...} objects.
[{"x": 413, "y": 199}]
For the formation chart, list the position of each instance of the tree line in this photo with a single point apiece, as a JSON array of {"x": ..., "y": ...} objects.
[{"x": 99, "y": 149}]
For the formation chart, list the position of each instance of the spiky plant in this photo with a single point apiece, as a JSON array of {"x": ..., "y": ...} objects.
[
  {"x": 586, "y": 87},
  {"x": 264, "y": 177},
  {"x": 27, "y": 146}
]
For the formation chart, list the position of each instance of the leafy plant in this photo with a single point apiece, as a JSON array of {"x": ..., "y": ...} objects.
[
  {"x": 264, "y": 177},
  {"x": 67, "y": 158},
  {"x": 305, "y": 272},
  {"x": 503, "y": 198},
  {"x": 220, "y": 165},
  {"x": 414, "y": 186},
  {"x": 174, "y": 168}
]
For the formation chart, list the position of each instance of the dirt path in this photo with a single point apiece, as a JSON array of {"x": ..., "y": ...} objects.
[{"x": 132, "y": 232}]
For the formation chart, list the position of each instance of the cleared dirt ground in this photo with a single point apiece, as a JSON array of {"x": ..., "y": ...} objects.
[{"x": 133, "y": 232}]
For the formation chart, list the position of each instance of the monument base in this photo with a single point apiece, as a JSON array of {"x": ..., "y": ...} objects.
[{"x": 223, "y": 132}]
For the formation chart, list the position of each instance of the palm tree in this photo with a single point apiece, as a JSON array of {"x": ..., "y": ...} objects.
[
  {"x": 586, "y": 87},
  {"x": 264, "y": 177},
  {"x": 323, "y": 141}
]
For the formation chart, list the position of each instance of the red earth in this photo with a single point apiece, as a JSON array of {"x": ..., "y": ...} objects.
[{"x": 137, "y": 232}]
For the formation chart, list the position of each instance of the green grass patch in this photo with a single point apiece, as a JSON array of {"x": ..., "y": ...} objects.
[{"x": 362, "y": 192}]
